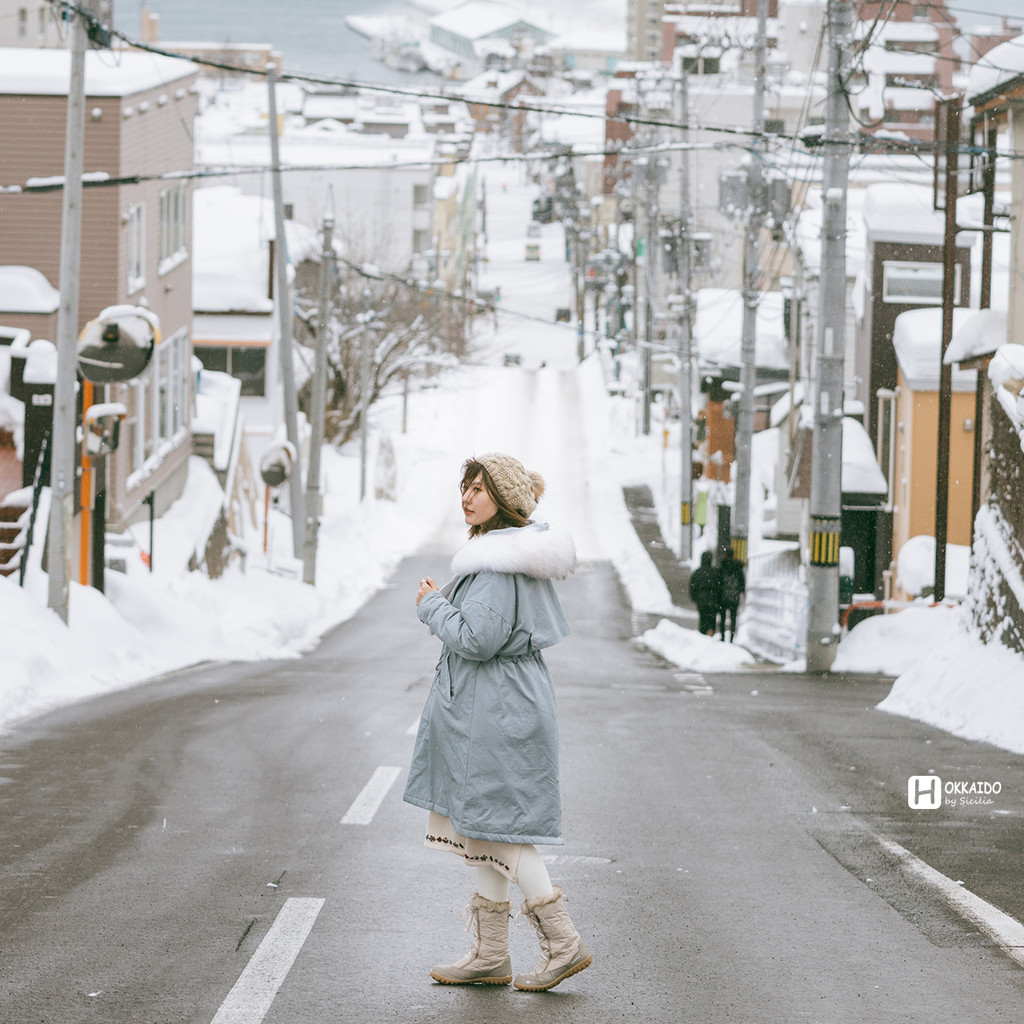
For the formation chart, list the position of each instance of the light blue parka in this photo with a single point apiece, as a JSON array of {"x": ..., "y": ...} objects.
[{"x": 486, "y": 752}]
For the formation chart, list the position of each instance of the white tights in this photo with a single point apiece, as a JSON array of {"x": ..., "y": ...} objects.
[{"x": 531, "y": 877}]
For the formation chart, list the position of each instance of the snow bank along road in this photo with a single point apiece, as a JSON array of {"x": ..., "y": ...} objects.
[{"x": 229, "y": 845}]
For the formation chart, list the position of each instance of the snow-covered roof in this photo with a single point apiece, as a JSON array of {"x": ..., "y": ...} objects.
[
  {"x": 231, "y": 257},
  {"x": 977, "y": 335},
  {"x": 1000, "y": 66},
  {"x": 860, "y": 473},
  {"x": 25, "y": 71},
  {"x": 781, "y": 409},
  {"x": 592, "y": 39},
  {"x": 478, "y": 19},
  {"x": 313, "y": 147},
  {"x": 233, "y": 328},
  {"x": 26, "y": 290},
  {"x": 494, "y": 83},
  {"x": 808, "y": 232},
  {"x": 897, "y": 31},
  {"x": 917, "y": 339},
  {"x": 718, "y": 329},
  {"x": 903, "y": 213}
]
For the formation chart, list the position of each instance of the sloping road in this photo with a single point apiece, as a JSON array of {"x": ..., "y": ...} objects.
[{"x": 166, "y": 847}]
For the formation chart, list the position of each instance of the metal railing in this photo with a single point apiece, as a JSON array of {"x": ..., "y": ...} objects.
[
  {"x": 37, "y": 490},
  {"x": 775, "y": 609}
]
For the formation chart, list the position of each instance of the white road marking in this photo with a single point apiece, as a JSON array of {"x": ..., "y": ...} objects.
[
  {"x": 364, "y": 807},
  {"x": 250, "y": 999},
  {"x": 1007, "y": 932},
  {"x": 413, "y": 729}
]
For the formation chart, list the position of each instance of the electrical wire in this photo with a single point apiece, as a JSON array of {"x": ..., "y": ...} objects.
[{"x": 551, "y": 109}]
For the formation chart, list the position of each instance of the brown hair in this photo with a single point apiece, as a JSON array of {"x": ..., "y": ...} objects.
[{"x": 506, "y": 516}]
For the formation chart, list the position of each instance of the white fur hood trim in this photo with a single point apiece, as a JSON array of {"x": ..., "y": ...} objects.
[{"x": 537, "y": 550}]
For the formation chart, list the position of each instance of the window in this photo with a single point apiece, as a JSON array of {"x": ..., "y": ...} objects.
[
  {"x": 41, "y": 30},
  {"x": 915, "y": 283},
  {"x": 22, "y": 22},
  {"x": 246, "y": 362},
  {"x": 136, "y": 248},
  {"x": 173, "y": 225},
  {"x": 420, "y": 195},
  {"x": 157, "y": 407}
]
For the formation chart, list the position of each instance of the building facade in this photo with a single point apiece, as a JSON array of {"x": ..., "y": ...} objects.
[{"x": 136, "y": 231}]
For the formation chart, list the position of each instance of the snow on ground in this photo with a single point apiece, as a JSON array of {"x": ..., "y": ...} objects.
[
  {"x": 688, "y": 648},
  {"x": 550, "y": 411}
]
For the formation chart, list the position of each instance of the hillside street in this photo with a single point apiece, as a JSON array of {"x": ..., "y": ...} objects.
[{"x": 722, "y": 853}]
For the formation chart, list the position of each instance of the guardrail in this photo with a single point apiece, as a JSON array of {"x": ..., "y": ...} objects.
[{"x": 775, "y": 608}]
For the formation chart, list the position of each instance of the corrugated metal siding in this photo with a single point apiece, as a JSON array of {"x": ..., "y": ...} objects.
[{"x": 148, "y": 133}]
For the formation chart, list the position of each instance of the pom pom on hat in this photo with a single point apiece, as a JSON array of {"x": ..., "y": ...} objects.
[{"x": 518, "y": 487}]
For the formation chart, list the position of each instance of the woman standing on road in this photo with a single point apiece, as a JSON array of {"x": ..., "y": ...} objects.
[{"x": 485, "y": 763}]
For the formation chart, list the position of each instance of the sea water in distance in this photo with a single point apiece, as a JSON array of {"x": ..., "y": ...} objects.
[{"x": 311, "y": 34}]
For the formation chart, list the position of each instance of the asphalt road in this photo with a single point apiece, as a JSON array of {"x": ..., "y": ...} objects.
[{"x": 228, "y": 844}]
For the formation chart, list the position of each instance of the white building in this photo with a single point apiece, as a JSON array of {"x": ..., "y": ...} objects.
[{"x": 379, "y": 186}]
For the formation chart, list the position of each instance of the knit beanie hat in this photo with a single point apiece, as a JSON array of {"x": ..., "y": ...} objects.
[{"x": 518, "y": 488}]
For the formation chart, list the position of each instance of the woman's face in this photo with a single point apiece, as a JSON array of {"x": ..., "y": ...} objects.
[{"x": 477, "y": 504}]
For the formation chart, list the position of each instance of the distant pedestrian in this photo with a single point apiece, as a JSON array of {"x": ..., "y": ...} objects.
[
  {"x": 705, "y": 592},
  {"x": 734, "y": 586},
  {"x": 485, "y": 762}
]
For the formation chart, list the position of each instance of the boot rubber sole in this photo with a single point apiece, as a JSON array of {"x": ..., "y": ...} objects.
[
  {"x": 568, "y": 973},
  {"x": 492, "y": 980}
]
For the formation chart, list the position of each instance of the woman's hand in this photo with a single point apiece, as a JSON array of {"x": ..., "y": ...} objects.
[{"x": 426, "y": 586}]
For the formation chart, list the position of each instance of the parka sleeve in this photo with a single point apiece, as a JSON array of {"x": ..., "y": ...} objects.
[{"x": 483, "y": 623}]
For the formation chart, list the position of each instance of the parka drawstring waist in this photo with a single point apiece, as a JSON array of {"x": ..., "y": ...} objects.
[{"x": 529, "y": 655}]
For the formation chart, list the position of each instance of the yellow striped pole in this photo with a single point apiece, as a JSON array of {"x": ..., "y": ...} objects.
[
  {"x": 685, "y": 513},
  {"x": 739, "y": 548},
  {"x": 825, "y": 533}
]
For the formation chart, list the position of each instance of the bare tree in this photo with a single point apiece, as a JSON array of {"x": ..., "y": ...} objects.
[{"x": 409, "y": 330}]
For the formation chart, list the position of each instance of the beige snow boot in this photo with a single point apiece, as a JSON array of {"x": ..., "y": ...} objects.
[
  {"x": 563, "y": 953},
  {"x": 488, "y": 961}
]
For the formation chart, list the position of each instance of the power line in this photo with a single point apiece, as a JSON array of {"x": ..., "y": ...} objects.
[{"x": 550, "y": 109}]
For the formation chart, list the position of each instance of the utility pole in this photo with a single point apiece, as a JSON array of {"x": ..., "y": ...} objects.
[
  {"x": 751, "y": 294},
  {"x": 364, "y": 396},
  {"x": 827, "y": 456},
  {"x": 650, "y": 255},
  {"x": 952, "y": 115},
  {"x": 316, "y": 434},
  {"x": 62, "y": 463},
  {"x": 284, "y": 319},
  {"x": 685, "y": 334}
]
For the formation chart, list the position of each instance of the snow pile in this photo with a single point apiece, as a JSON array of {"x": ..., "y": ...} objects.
[
  {"x": 954, "y": 683},
  {"x": 1006, "y": 371},
  {"x": 915, "y": 566},
  {"x": 892, "y": 644},
  {"x": 694, "y": 651}
]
